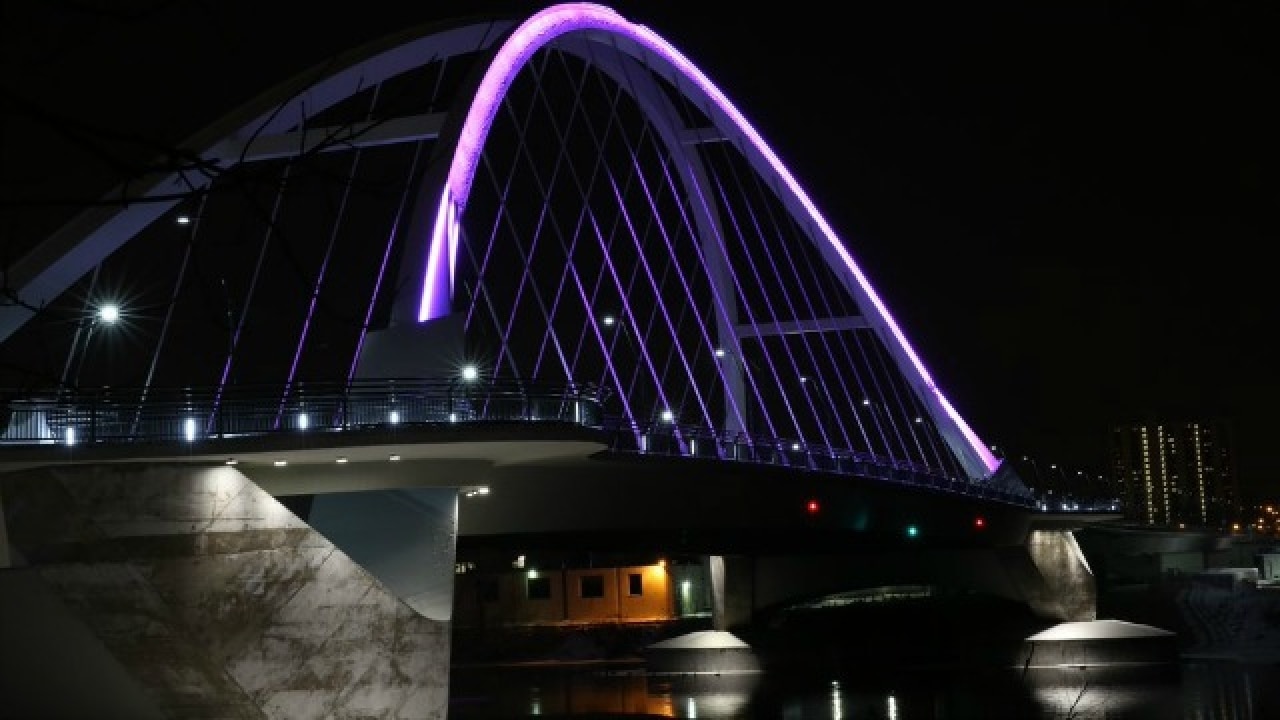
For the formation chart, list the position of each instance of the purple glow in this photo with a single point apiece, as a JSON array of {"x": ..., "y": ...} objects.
[
  {"x": 544, "y": 27},
  {"x": 684, "y": 283},
  {"x": 436, "y": 288},
  {"x": 730, "y": 397}
]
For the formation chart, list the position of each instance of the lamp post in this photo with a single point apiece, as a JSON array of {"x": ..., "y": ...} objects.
[
  {"x": 467, "y": 375},
  {"x": 879, "y": 419},
  {"x": 107, "y": 314},
  {"x": 1064, "y": 488},
  {"x": 733, "y": 369},
  {"x": 815, "y": 393},
  {"x": 1035, "y": 472},
  {"x": 1086, "y": 493}
]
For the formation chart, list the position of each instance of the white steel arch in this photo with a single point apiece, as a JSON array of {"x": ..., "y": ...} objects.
[
  {"x": 267, "y": 128},
  {"x": 598, "y": 23}
]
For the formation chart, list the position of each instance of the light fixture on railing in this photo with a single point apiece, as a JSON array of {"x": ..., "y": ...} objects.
[
  {"x": 303, "y": 421},
  {"x": 470, "y": 373},
  {"x": 189, "y": 429}
]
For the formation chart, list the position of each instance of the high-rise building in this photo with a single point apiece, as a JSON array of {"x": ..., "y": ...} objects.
[{"x": 1177, "y": 473}]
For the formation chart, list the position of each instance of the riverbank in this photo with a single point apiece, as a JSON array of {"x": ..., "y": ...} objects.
[{"x": 1212, "y": 623}]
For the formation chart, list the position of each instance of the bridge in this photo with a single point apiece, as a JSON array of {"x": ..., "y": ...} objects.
[{"x": 519, "y": 281}]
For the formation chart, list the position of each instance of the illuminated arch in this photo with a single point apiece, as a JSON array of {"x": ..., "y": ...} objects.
[
  {"x": 596, "y": 23},
  {"x": 277, "y": 121}
]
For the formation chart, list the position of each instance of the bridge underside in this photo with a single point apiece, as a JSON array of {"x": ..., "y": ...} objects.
[
  {"x": 622, "y": 232},
  {"x": 254, "y": 590}
]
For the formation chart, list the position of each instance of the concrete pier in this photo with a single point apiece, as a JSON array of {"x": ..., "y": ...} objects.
[{"x": 208, "y": 595}]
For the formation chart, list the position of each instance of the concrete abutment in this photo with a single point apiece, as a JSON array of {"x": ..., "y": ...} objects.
[{"x": 214, "y": 600}]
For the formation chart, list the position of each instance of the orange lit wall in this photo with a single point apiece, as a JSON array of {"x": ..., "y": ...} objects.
[{"x": 507, "y": 601}]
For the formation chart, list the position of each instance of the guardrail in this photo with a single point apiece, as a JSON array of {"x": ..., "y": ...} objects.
[
  {"x": 130, "y": 415},
  {"x": 674, "y": 440},
  {"x": 124, "y": 415}
]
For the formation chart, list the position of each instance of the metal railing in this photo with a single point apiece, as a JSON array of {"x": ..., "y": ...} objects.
[
  {"x": 130, "y": 415},
  {"x": 672, "y": 440},
  {"x": 124, "y": 415}
]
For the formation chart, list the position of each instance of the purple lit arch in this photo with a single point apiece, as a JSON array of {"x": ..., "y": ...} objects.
[
  {"x": 704, "y": 142},
  {"x": 594, "y": 22}
]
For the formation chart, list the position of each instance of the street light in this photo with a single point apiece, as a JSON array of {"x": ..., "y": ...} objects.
[
  {"x": 108, "y": 314},
  {"x": 609, "y": 321},
  {"x": 1035, "y": 471},
  {"x": 818, "y": 397}
]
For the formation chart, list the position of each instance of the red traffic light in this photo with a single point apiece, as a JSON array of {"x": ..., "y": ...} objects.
[
  {"x": 812, "y": 507},
  {"x": 979, "y": 522}
]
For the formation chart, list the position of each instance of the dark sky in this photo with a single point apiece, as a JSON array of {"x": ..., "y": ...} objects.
[{"x": 1070, "y": 207}]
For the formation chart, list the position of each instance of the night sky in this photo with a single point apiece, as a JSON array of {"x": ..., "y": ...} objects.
[{"x": 1070, "y": 207}]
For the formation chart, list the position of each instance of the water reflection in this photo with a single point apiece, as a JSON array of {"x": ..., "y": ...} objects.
[
  {"x": 706, "y": 696},
  {"x": 1216, "y": 690},
  {"x": 578, "y": 692},
  {"x": 1091, "y": 692}
]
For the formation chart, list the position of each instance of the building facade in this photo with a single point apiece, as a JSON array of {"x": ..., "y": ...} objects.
[
  {"x": 568, "y": 595},
  {"x": 1177, "y": 474}
]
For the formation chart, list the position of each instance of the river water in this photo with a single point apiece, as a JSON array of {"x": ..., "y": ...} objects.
[
  {"x": 926, "y": 660},
  {"x": 1192, "y": 690}
]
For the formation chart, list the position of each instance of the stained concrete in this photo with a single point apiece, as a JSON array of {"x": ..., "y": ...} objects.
[
  {"x": 1067, "y": 589},
  {"x": 217, "y": 601}
]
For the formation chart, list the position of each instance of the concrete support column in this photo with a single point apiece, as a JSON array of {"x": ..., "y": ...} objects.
[
  {"x": 215, "y": 600},
  {"x": 407, "y": 538},
  {"x": 1055, "y": 578},
  {"x": 715, "y": 575},
  {"x": 732, "y": 590}
]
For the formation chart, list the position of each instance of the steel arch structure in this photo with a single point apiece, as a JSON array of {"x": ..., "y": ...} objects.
[{"x": 636, "y": 233}]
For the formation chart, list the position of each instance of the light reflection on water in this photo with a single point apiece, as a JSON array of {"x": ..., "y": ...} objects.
[{"x": 1196, "y": 690}]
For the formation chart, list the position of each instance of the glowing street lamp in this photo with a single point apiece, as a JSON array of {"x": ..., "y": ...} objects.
[{"x": 109, "y": 313}]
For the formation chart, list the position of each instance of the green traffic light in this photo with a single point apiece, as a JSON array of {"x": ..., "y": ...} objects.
[{"x": 912, "y": 531}]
